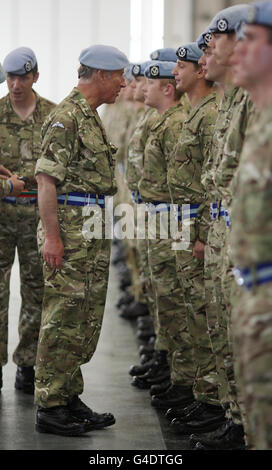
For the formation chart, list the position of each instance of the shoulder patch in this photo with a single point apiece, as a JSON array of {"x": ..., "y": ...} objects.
[{"x": 58, "y": 124}]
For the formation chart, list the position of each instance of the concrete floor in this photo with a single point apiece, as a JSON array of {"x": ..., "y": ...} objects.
[{"x": 107, "y": 388}]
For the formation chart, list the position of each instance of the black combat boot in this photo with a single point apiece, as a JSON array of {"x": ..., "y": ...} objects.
[
  {"x": 209, "y": 419},
  {"x": 134, "y": 310},
  {"x": 141, "y": 369},
  {"x": 59, "y": 420},
  {"x": 158, "y": 372},
  {"x": 189, "y": 411},
  {"x": 160, "y": 388},
  {"x": 24, "y": 379},
  {"x": 229, "y": 436},
  {"x": 176, "y": 395},
  {"x": 94, "y": 420}
]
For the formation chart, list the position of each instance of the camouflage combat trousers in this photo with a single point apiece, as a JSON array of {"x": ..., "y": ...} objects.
[
  {"x": 252, "y": 321},
  {"x": 73, "y": 308},
  {"x": 18, "y": 230},
  {"x": 173, "y": 334},
  {"x": 218, "y": 269},
  {"x": 190, "y": 272}
]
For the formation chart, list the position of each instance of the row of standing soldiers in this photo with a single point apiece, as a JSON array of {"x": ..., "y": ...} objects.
[{"x": 185, "y": 126}]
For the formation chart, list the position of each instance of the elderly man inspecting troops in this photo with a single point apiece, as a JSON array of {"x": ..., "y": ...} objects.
[
  {"x": 76, "y": 167},
  {"x": 22, "y": 113}
]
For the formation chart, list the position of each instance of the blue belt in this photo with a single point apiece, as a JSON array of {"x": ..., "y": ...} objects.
[
  {"x": 165, "y": 206},
  {"x": 81, "y": 199},
  {"x": 249, "y": 277},
  {"x": 188, "y": 212},
  {"x": 136, "y": 197},
  {"x": 216, "y": 210},
  {"x": 24, "y": 201}
]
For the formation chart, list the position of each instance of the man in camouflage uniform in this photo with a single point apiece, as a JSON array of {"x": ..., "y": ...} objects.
[
  {"x": 22, "y": 113},
  {"x": 74, "y": 174},
  {"x": 184, "y": 173},
  {"x": 172, "y": 333},
  {"x": 251, "y": 231},
  {"x": 235, "y": 112}
]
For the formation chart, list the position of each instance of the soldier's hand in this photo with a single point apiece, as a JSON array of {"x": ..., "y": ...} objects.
[
  {"x": 5, "y": 172},
  {"x": 199, "y": 250},
  {"x": 53, "y": 251},
  {"x": 18, "y": 185}
]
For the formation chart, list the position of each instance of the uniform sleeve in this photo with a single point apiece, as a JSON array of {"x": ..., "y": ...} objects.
[
  {"x": 4, "y": 188},
  {"x": 58, "y": 146},
  {"x": 206, "y": 137}
]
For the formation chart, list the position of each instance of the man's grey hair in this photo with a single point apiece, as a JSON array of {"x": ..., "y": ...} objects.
[{"x": 87, "y": 72}]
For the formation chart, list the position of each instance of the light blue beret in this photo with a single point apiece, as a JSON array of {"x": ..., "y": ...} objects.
[
  {"x": 138, "y": 70},
  {"x": 20, "y": 61},
  {"x": 2, "y": 75},
  {"x": 260, "y": 13},
  {"x": 103, "y": 58},
  {"x": 189, "y": 52},
  {"x": 204, "y": 39},
  {"x": 226, "y": 20},
  {"x": 168, "y": 54},
  {"x": 128, "y": 73},
  {"x": 160, "y": 69}
]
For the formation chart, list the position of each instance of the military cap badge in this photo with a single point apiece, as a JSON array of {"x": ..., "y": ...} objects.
[
  {"x": 207, "y": 38},
  {"x": 154, "y": 55},
  {"x": 136, "y": 69},
  {"x": 28, "y": 66},
  {"x": 182, "y": 52},
  {"x": 154, "y": 71},
  {"x": 222, "y": 25}
]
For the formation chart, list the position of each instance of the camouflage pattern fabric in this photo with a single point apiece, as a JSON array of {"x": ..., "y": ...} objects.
[
  {"x": 173, "y": 334},
  {"x": 238, "y": 110},
  {"x": 20, "y": 149},
  {"x": 184, "y": 178},
  {"x": 4, "y": 188},
  {"x": 76, "y": 152},
  {"x": 251, "y": 245}
]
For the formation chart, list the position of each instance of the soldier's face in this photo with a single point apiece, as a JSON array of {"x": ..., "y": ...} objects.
[
  {"x": 138, "y": 90},
  {"x": 20, "y": 86},
  {"x": 252, "y": 57},
  {"x": 152, "y": 92},
  {"x": 112, "y": 85},
  {"x": 223, "y": 46},
  {"x": 185, "y": 75},
  {"x": 213, "y": 71}
]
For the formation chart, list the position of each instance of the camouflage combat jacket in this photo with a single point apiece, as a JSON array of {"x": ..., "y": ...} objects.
[
  {"x": 251, "y": 241},
  {"x": 189, "y": 158},
  {"x": 160, "y": 144},
  {"x": 136, "y": 147},
  {"x": 233, "y": 128},
  {"x": 75, "y": 149},
  {"x": 20, "y": 141}
]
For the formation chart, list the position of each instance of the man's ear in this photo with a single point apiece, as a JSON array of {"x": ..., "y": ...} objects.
[
  {"x": 36, "y": 77},
  {"x": 200, "y": 72}
]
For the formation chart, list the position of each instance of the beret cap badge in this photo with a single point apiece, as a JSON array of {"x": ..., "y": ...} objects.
[
  {"x": 207, "y": 38},
  {"x": 222, "y": 25},
  {"x": 154, "y": 55},
  {"x": 136, "y": 69},
  {"x": 154, "y": 71},
  {"x": 28, "y": 66},
  {"x": 182, "y": 52}
]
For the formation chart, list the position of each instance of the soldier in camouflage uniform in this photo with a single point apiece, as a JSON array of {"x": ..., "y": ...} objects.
[
  {"x": 251, "y": 224},
  {"x": 74, "y": 174},
  {"x": 22, "y": 113},
  {"x": 184, "y": 172},
  {"x": 172, "y": 335},
  {"x": 235, "y": 113}
]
